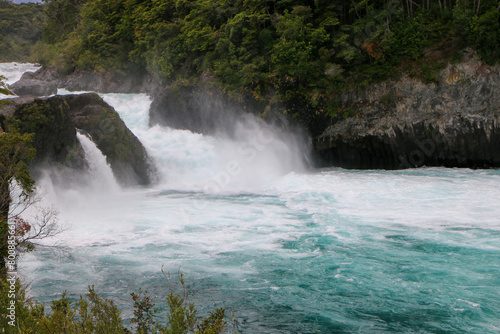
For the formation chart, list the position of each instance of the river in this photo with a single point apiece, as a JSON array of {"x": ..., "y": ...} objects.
[{"x": 285, "y": 247}]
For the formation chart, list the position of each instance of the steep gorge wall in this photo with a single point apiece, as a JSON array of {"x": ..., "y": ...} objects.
[{"x": 406, "y": 123}]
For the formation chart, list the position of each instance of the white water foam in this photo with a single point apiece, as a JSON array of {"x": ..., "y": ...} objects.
[
  {"x": 187, "y": 161},
  {"x": 101, "y": 175},
  {"x": 14, "y": 71},
  {"x": 85, "y": 200},
  {"x": 434, "y": 198},
  {"x": 254, "y": 157}
]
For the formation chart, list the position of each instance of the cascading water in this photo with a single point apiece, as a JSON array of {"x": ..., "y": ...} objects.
[
  {"x": 287, "y": 250},
  {"x": 101, "y": 174},
  {"x": 14, "y": 71},
  {"x": 256, "y": 154}
]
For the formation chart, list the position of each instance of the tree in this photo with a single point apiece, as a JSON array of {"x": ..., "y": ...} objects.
[
  {"x": 20, "y": 29},
  {"x": 15, "y": 150},
  {"x": 17, "y": 194}
]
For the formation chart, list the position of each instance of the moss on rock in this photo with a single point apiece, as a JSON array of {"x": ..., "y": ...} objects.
[{"x": 54, "y": 122}]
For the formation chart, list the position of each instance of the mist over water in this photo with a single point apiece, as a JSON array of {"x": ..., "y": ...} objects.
[
  {"x": 287, "y": 248},
  {"x": 253, "y": 154}
]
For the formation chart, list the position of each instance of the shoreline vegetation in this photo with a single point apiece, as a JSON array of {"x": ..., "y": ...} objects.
[{"x": 94, "y": 314}]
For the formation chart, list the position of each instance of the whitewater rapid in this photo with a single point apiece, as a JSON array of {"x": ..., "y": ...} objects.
[
  {"x": 14, "y": 71},
  {"x": 286, "y": 248}
]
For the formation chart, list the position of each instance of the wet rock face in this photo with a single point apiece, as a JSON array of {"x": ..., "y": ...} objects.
[
  {"x": 54, "y": 121},
  {"x": 33, "y": 87},
  {"x": 122, "y": 149},
  {"x": 189, "y": 108},
  {"x": 408, "y": 124},
  {"x": 199, "y": 108}
]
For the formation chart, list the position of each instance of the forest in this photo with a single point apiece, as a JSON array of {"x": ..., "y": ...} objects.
[
  {"x": 20, "y": 28},
  {"x": 302, "y": 54}
]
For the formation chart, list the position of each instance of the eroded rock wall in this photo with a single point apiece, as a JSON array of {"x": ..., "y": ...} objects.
[{"x": 405, "y": 124}]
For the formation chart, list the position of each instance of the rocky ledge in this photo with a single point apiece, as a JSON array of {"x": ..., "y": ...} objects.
[
  {"x": 405, "y": 124},
  {"x": 33, "y": 87},
  {"x": 55, "y": 120},
  {"x": 81, "y": 80}
]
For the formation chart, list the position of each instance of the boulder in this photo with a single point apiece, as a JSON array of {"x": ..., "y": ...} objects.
[
  {"x": 33, "y": 87},
  {"x": 54, "y": 121}
]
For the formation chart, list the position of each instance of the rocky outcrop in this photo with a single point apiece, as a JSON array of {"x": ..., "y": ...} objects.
[
  {"x": 81, "y": 80},
  {"x": 55, "y": 134},
  {"x": 33, "y": 87},
  {"x": 123, "y": 150},
  {"x": 405, "y": 124},
  {"x": 204, "y": 108},
  {"x": 54, "y": 121},
  {"x": 194, "y": 108}
]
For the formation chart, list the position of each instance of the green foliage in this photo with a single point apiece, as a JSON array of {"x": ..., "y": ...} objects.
[
  {"x": 300, "y": 54},
  {"x": 181, "y": 317},
  {"x": 15, "y": 151},
  {"x": 479, "y": 26},
  {"x": 62, "y": 19},
  {"x": 485, "y": 32},
  {"x": 20, "y": 28},
  {"x": 5, "y": 102},
  {"x": 3, "y": 88},
  {"x": 144, "y": 312},
  {"x": 409, "y": 37},
  {"x": 91, "y": 314},
  {"x": 94, "y": 314},
  {"x": 298, "y": 45},
  {"x": 213, "y": 324}
]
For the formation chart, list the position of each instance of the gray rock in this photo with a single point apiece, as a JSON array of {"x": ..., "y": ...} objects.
[
  {"x": 407, "y": 124},
  {"x": 81, "y": 80},
  {"x": 54, "y": 121},
  {"x": 33, "y": 87}
]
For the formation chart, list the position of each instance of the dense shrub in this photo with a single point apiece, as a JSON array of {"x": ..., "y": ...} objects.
[{"x": 94, "y": 314}]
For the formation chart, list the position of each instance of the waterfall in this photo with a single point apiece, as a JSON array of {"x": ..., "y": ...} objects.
[
  {"x": 14, "y": 71},
  {"x": 330, "y": 250},
  {"x": 101, "y": 175},
  {"x": 254, "y": 155}
]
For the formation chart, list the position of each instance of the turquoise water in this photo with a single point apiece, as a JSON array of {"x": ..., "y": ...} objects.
[
  {"x": 286, "y": 248},
  {"x": 336, "y": 251}
]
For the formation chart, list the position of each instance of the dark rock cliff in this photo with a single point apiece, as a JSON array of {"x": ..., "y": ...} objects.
[
  {"x": 405, "y": 124},
  {"x": 199, "y": 108},
  {"x": 54, "y": 121}
]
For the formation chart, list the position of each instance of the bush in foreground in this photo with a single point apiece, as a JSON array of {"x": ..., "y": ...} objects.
[{"x": 94, "y": 314}]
